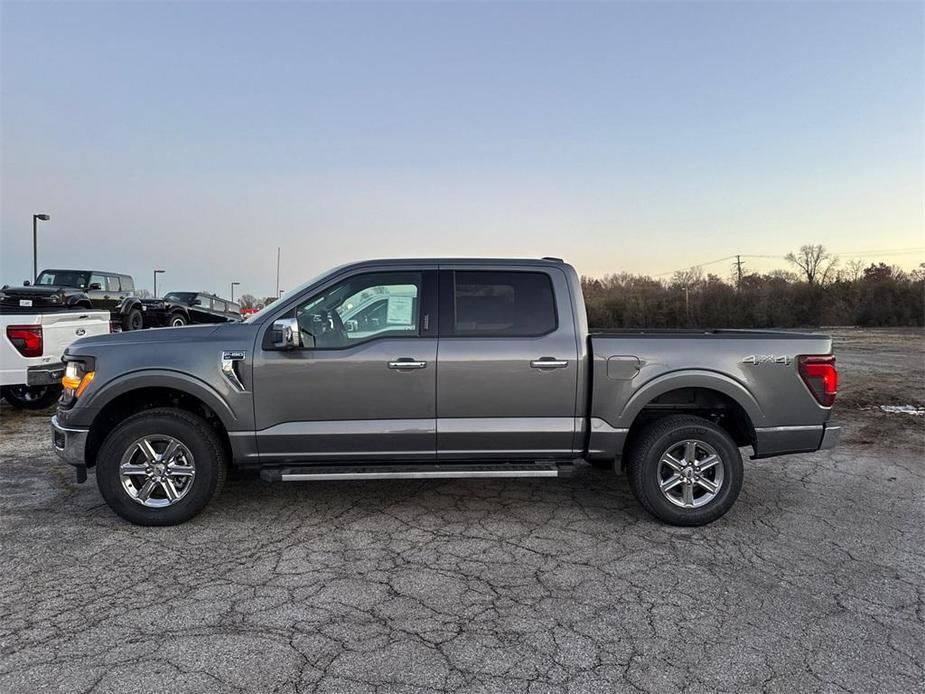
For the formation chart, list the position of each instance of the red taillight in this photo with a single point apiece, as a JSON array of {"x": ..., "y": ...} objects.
[
  {"x": 819, "y": 374},
  {"x": 27, "y": 339}
]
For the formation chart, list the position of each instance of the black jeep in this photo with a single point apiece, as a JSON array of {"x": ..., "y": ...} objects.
[{"x": 57, "y": 290}]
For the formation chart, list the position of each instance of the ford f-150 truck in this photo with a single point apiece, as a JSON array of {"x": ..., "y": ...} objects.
[{"x": 472, "y": 368}]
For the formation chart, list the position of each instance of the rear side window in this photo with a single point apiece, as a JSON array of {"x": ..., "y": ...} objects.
[
  {"x": 501, "y": 304},
  {"x": 128, "y": 284},
  {"x": 112, "y": 283},
  {"x": 218, "y": 306}
]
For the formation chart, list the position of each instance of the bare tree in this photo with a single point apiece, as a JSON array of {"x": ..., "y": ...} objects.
[
  {"x": 691, "y": 277},
  {"x": 816, "y": 263},
  {"x": 854, "y": 269},
  {"x": 248, "y": 301},
  {"x": 143, "y": 294}
]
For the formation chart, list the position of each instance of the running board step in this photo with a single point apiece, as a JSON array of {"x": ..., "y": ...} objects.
[{"x": 310, "y": 473}]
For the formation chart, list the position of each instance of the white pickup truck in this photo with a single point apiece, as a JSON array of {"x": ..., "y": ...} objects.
[{"x": 31, "y": 347}]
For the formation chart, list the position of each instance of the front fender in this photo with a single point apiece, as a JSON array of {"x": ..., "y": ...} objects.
[
  {"x": 102, "y": 395},
  {"x": 692, "y": 378}
]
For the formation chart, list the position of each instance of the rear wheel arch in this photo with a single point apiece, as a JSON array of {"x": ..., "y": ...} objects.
[{"x": 738, "y": 414}]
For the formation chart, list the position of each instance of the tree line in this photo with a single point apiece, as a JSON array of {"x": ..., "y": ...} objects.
[{"x": 818, "y": 291}]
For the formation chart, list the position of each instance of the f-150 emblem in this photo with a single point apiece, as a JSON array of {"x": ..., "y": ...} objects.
[
  {"x": 756, "y": 359},
  {"x": 228, "y": 361}
]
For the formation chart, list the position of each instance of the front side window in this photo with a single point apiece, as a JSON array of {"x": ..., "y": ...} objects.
[
  {"x": 363, "y": 307},
  {"x": 502, "y": 304},
  {"x": 98, "y": 279}
]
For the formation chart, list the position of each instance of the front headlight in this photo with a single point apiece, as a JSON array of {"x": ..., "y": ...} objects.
[{"x": 76, "y": 379}]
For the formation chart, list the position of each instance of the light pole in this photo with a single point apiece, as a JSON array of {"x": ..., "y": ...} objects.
[
  {"x": 277, "y": 272},
  {"x": 35, "y": 243},
  {"x": 233, "y": 285},
  {"x": 156, "y": 273}
]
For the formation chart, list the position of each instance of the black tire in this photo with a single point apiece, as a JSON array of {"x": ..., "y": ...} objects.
[
  {"x": 193, "y": 432},
  {"x": 25, "y": 397},
  {"x": 645, "y": 471},
  {"x": 133, "y": 320},
  {"x": 177, "y": 320}
]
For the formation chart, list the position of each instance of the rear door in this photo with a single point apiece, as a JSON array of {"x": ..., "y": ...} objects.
[
  {"x": 507, "y": 364},
  {"x": 364, "y": 390}
]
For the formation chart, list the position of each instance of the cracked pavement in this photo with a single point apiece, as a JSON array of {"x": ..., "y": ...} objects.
[{"x": 813, "y": 582}]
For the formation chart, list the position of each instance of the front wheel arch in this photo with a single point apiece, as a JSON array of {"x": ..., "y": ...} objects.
[{"x": 132, "y": 401}]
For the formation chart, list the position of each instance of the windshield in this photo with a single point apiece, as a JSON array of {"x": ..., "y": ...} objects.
[
  {"x": 180, "y": 297},
  {"x": 255, "y": 317},
  {"x": 63, "y": 278}
]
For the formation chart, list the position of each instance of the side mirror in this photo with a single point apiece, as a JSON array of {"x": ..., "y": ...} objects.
[
  {"x": 289, "y": 335},
  {"x": 197, "y": 302},
  {"x": 95, "y": 285},
  {"x": 26, "y": 283}
]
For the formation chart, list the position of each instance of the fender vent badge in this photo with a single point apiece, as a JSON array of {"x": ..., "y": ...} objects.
[{"x": 229, "y": 358}]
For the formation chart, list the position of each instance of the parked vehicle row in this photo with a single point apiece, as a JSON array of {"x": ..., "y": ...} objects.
[
  {"x": 39, "y": 321},
  {"x": 57, "y": 290},
  {"x": 31, "y": 348},
  {"x": 437, "y": 369}
]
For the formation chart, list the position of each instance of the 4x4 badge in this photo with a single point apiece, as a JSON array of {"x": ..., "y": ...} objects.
[{"x": 756, "y": 359}]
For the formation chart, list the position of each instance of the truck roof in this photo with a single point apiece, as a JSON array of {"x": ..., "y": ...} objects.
[{"x": 458, "y": 261}]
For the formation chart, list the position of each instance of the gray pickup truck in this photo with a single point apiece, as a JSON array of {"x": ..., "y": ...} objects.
[{"x": 445, "y": 368}]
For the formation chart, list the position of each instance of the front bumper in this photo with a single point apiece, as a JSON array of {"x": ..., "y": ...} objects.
[
  {"x": 831, "y": 435},
  {"x": 45, "y": 374},
  {"x": 70, "y": 444}
]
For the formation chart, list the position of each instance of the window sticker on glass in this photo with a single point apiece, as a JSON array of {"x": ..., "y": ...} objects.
[{"x": 399, "y": 311}]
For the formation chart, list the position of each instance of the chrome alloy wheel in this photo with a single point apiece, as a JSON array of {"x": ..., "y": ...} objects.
[
  {"x": 157, "y": 470},
  {"x": 690, "y": 473}
]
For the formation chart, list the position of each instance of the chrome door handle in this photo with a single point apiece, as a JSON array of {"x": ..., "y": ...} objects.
[
  {"x": 548, "y": 363},
  {"x": 407, "y": 363}
]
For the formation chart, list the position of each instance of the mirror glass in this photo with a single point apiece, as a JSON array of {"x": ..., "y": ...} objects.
[{"x": 287, "y": 334}]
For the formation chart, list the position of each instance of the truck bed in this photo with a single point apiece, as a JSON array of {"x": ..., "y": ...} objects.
[{"x": 754, "y": 372}]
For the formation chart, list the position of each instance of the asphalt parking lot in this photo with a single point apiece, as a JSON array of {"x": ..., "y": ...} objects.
[{"x": 813, "y": 582}]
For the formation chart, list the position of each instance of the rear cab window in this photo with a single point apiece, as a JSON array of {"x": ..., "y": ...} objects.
[{"x": 497, "y": 303}]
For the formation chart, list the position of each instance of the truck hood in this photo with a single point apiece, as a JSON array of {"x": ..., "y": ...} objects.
[
  {"x": 44, "y": 290},
  {"x": 37, "y": 297},
  {"x": 152, "y": 336}
]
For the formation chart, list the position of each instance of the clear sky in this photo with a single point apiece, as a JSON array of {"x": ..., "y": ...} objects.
[{"x": 197, "y": 137}]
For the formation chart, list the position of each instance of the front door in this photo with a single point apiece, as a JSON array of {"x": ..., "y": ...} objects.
[
  {"x": 507, "y": 372},
  {"x": 367, "y": 388}
]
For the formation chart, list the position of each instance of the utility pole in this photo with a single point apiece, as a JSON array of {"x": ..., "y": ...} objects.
[
  {"x": 277, "y": 272},
  {"x": 738, "y": 266}
]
